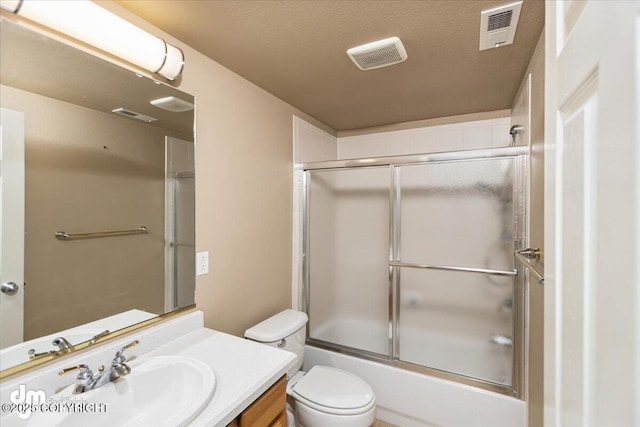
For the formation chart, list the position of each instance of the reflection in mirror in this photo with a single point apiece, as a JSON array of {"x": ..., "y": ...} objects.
[{"x": 70, "y": 164}]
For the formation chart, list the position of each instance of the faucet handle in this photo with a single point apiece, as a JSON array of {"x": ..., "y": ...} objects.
[
  {"x": 100, "y": 335},
  {"x": 84, "y": 376},
  {"x": 82, "y": 368},
  {"x": 33, "y": 355},
  {"x": 119, "y": 358}
]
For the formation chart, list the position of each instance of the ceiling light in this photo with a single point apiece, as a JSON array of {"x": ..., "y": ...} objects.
[
  {"x": 86, "y": 21},
  {"x": 173, "y": 104}
]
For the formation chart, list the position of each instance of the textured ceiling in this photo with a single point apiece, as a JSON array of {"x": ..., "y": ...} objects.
[{"x": 296, "y": 51}]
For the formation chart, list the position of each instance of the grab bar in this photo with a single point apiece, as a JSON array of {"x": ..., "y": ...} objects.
[
  {"x": 524, "y": 255},
  {"x": 463, "y": 269},
  {"x": 63, "y": 235}
]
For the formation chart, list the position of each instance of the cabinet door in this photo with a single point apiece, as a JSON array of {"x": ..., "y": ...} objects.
[
  {"x": 268, "y": 410},
  {"x": 281, "y": 421}
]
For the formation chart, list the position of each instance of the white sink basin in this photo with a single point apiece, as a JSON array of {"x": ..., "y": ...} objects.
[{"x": 159, "y": 391}]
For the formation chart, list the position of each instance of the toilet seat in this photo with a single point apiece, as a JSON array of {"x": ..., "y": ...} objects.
[{"x": 333, "y": 391}]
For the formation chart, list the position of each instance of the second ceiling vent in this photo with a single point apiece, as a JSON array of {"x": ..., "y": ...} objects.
[
  {"x": 381, "y": 53},
  {"x": 498, "y": 25}
]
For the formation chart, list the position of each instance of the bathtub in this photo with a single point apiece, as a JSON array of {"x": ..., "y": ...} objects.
[
  {"x": 472, "y": 355},
  {"x": 411, "y": 399}
]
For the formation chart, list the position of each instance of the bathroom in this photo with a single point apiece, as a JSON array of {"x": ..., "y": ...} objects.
[{"x": 248, "y": 212}]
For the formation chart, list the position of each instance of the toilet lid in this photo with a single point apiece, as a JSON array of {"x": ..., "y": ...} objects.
[{"x": 334, "y": 388}]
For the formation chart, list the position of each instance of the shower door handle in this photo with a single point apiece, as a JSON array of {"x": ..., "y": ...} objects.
[{"x": 525, "y": 256}]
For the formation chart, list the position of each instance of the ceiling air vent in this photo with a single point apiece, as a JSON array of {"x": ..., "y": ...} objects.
[
  {"x": 133, "y": 115},
  {"x": 500, "y": 20},
  {"x": 498, "y": 25},
  {"x": 378, "y": 54}
]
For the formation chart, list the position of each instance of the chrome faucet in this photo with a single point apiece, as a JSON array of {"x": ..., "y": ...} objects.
[
  {"x": 86, "y": 380},
  {"x": 61, "y": 343}
]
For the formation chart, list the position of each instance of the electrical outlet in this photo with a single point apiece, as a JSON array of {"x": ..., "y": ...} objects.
[{"x": 202, "y": 263}]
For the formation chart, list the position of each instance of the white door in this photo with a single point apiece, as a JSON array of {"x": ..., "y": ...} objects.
[
  {"x": 11, "y": 227},
  {"x": 592, "y": 214}
]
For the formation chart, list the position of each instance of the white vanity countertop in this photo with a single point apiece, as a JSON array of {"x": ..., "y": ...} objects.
[{"x": 244, "y": 370}]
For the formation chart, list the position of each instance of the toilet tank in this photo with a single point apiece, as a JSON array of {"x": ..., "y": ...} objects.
[{"x": 286, "y": 331}]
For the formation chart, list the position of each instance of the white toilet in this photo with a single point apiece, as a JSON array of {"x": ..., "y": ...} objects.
[{"x": 323, "y": 396}]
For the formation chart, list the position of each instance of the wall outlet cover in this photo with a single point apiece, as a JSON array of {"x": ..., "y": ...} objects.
[{"x": 202, "y": 263}]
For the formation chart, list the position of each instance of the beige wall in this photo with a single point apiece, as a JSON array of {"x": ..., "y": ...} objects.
[
  {"x": 84, "y": 174},
  {"x": 243, "y": 190},
  {"x": 535, "y": 135}
]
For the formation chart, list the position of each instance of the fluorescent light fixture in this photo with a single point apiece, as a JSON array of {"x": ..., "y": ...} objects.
[{"x": 86, "y": 21}]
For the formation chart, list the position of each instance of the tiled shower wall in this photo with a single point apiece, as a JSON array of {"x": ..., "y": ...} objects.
[
  {"x": 310, "y": 144},
  {"x": 451, "y": 137}
]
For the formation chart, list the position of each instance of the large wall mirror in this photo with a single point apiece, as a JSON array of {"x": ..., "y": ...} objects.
[{"x": 97, "y": 197}]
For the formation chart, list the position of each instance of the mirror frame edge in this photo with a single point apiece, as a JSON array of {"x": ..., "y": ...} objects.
[{"x": 36, "y": 363}]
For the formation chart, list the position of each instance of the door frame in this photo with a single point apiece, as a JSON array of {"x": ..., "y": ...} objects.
[{"x": 12, "y": 193}]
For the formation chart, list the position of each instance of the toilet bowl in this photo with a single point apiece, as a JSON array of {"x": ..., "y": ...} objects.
[{"x": 323, "y": 396}]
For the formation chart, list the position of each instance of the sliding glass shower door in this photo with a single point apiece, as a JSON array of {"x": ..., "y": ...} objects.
[
  {"x": 348, "y": 227},
  {"x": 454, "y": 255},
  {"x": 411, "y": 262}
]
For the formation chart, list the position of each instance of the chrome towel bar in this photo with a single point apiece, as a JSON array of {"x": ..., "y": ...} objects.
[
  {"x": 462, "y": 269},
  {"x": 63, "y": 235},
  {"x": 524, "y": 256}
]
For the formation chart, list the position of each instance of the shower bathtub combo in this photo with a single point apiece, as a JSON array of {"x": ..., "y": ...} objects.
[{"x": 410, "y": 281}]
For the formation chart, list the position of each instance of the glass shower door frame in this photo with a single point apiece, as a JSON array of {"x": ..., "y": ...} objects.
[
  {"x": 520, "y": 189},
  {"x": 177, "y": 241}
]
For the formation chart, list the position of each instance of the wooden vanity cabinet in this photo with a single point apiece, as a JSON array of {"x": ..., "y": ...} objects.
[{"x": 269, "y": 410}]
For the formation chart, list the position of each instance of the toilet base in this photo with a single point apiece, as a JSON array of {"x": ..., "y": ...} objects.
[
  {"x": 306, "y": 416},
  {"x": 309, "y": 417},
  {"x": 291, "y": 418}
]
